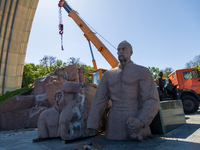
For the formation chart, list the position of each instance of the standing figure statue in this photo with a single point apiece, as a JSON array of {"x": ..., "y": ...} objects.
[{"x": 134, "y": 96}]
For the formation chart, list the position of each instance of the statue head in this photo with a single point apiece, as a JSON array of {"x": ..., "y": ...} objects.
[
  {"x": 58, "y": 96},
  {"x": 124, "y": 51}
]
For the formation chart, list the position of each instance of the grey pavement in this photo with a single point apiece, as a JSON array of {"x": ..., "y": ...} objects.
[{"x": 186, "y": 137}]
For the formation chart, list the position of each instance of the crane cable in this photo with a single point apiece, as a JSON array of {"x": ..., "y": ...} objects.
[
  {"x": 97, "y": 32},
  {"x": 60, "y": 26}
]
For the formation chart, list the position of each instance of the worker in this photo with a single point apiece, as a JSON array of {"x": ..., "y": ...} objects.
[
  {"x": 170, "y": 88},
  {"x": 159, "y": 82},
  {"x": 135, "y": 100}
]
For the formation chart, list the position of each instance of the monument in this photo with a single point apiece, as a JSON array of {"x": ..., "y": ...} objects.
[
  {"x": 134, "y": 96},
  {"x": 67, "y": 118},
  {"x": 79, "y": 107}
]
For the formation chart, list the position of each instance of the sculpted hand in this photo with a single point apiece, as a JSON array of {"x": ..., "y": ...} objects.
[{"x": 135, "y": 124}]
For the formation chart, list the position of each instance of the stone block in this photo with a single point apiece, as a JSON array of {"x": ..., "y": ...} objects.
[
  {"x": 73, "y": 118},
  {"x": 14, "y": 120},
  {"x": 34, "y": 114},
  {"x": 60, "y": 72},
  {"x": 73, "y": 76},
  {"x": 51, "y": 89},
  {"x": 40, "y": 84},
  {"x": 70, "y": 87},
  {"x": 41, "y": 100},
  {"x": 169, "y": 117},
  {"x": 17, "y": 103},
  {"x": 72, "y": 71},
  {"x": 70, "y": 68},
  {"x": 81, "y": 76},
  {"x": 61, "y": 80}
]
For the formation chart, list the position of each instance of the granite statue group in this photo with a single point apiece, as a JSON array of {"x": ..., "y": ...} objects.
[{"x": 134, "y": 97}]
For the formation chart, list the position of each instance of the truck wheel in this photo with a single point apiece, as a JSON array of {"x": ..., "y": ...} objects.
[{"x": 190, "y": 104}]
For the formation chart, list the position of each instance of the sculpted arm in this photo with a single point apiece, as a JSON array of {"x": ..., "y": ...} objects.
[
  {"x": 98, "y": 104},
  {"x": 149, "y": 98}
]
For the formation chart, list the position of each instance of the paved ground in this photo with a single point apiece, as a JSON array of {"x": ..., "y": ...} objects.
[{"x": 186, "y": 137}]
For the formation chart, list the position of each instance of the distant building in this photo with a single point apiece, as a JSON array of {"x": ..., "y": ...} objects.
[{"x": 16, "y": 17}]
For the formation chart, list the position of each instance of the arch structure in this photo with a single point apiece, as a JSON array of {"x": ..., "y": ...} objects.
[{"x": 16, "y": 17}]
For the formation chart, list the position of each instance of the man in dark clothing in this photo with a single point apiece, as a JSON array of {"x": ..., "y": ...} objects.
[{"x": 159, "y": 81}]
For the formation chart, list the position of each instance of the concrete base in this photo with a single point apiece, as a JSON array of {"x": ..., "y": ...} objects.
[
  {"x": 169, "y": 117},
  {"x": 185, "y": 137}
]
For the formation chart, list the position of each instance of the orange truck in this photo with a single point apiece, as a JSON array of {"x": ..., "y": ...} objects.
[{"x": 187, "y": 85}]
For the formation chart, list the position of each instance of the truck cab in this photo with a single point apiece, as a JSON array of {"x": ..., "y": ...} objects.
[{"x": 187, "y": 84}]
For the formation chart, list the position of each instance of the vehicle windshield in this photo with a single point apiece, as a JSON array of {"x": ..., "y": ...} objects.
[
  {"x": 194, "y": 74},
  {"x": 187, "y": 75},
  {"x": 96, "y": 77}
]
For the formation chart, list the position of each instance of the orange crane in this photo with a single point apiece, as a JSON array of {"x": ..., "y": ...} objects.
[{"x": 90, "y": 36}]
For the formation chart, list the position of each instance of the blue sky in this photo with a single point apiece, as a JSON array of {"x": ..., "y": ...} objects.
[{"x": 163, "y": 33}]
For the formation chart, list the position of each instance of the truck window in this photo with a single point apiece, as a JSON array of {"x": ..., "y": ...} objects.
[
  {"x": 96, "y": 77},
  {"x": 174, "y": 76},
  {"x": 194, "y": 74},
  {"x": 187, "y": 75}
]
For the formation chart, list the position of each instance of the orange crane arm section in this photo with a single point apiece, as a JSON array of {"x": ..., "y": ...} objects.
[{"x": 91, "y": 36}]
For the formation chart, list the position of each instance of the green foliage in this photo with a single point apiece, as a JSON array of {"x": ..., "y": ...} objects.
[
  {"x": 59, "y": 63},
  {"x": 8, "y": 94},
  {"x": 47, "y": 64},
  {"x": 197, "y": 67},
  {"x": 154, "y": 71},
  {"x": 28, "y": 74},
  {"x": 73, "y": 60},
  {"x": 85, "y": 70},
  {"x": 167, "y": 71},
  {"x": 32, "y": 72}
]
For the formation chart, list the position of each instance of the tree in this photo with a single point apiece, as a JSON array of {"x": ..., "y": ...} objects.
[
  {"x": 48, "y": 62},
  {"x": 73, "y": 60},
  {"x": 154, "y": 71},
  {"x": 32, "y": 72},
  {"x": 194, "y": 62},
  {"x": 59, "y": 63},
  {"x": 167, "y": 71},
  {"x": 85, "y": 70},
  {"x": 197, "y": 67},
  {"x": 28, "y": 75}
]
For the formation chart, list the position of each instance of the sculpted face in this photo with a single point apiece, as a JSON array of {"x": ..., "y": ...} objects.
[
  {"x": 124, "y": 52},
  {"x": 58, "y": 97}
]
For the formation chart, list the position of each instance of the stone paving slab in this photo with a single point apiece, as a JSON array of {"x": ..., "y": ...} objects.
[{"x": 186, "y": 137}]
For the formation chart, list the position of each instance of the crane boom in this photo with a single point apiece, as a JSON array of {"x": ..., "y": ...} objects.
[{"x": 90, "y": 35}]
